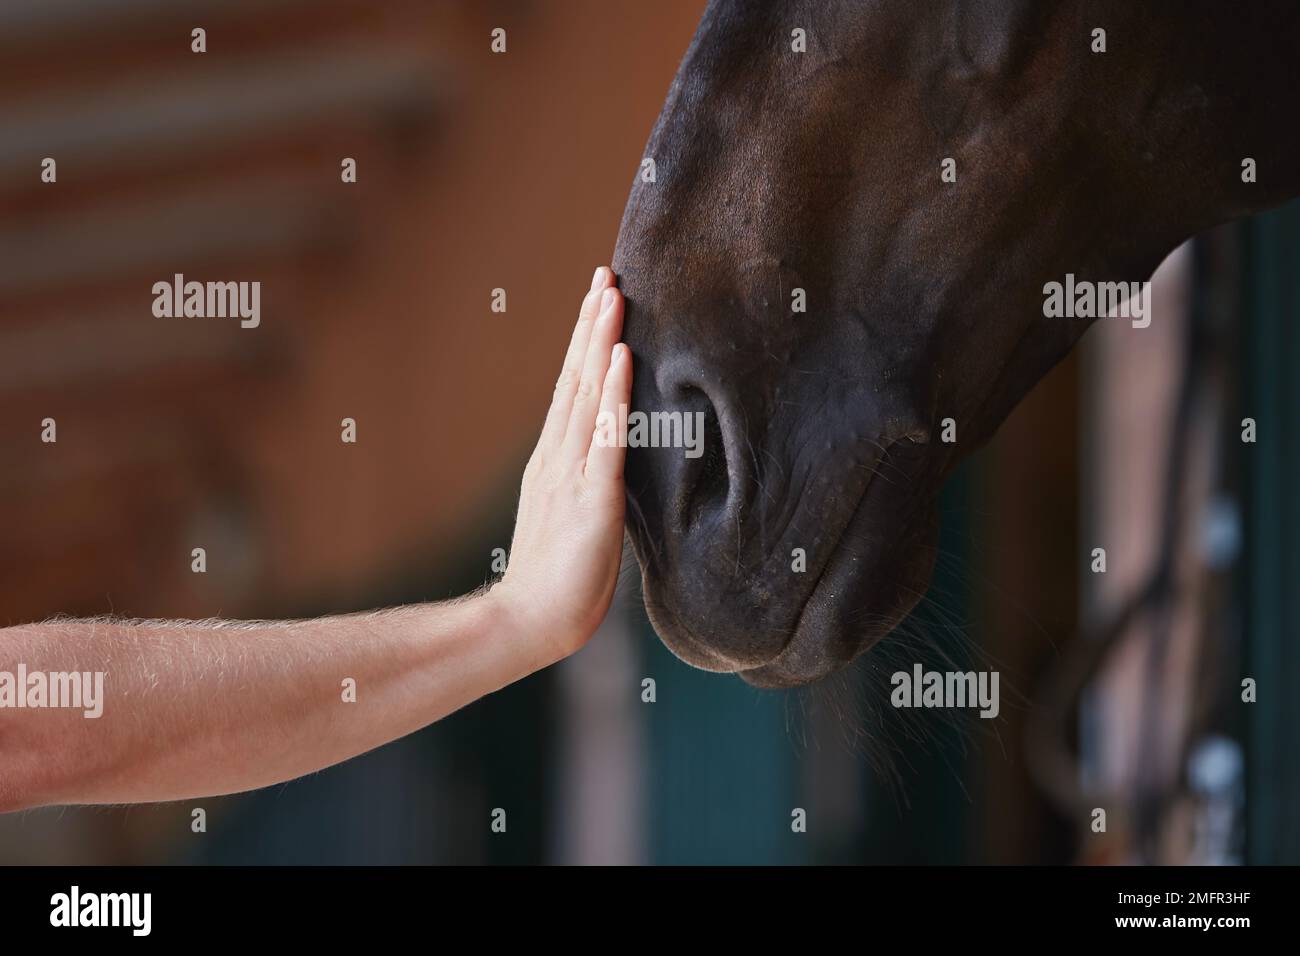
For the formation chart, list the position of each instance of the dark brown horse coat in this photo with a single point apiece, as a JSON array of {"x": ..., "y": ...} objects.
[{"x": 1086, "y": 138}]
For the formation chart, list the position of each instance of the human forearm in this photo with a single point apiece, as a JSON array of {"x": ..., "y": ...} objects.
[{"x": 201, "y": 708}]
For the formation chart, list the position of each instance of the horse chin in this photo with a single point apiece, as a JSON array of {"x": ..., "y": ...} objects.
[{"x": 858, "y": 601}]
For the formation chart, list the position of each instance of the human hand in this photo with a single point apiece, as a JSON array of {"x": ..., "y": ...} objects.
[{"x": 568, "y": 539}]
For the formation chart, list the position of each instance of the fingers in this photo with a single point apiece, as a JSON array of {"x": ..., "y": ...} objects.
[
  {"x": 586, "y": 401},
  {"x": 605, "y": 459},
  {"x": 557, "y": 418}
]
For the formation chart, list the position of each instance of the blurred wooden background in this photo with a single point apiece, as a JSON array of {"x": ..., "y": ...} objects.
[{"x": 175, "y": 434}]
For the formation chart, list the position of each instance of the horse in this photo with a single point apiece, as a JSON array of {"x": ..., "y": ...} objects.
[{"x": 837, "y": 249}]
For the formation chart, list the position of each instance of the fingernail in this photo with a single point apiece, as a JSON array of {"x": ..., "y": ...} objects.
[
  {"x": 620, "y": 355},
  {"x": 607, "y": 299},
  {"x": 598, "y": 278}
]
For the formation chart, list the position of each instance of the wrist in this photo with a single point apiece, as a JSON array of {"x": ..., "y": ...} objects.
[{"x": 524, "y": 623}]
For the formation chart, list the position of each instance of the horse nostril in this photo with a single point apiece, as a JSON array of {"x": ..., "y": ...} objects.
[
  {"x": 703, "y": 477},
  {"x": 707, "y": 481}
]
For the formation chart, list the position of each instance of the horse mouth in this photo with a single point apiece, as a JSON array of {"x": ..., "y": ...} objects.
[
  {"x": 876, "y": 567},
  {"x": 825, "y": 637}
]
